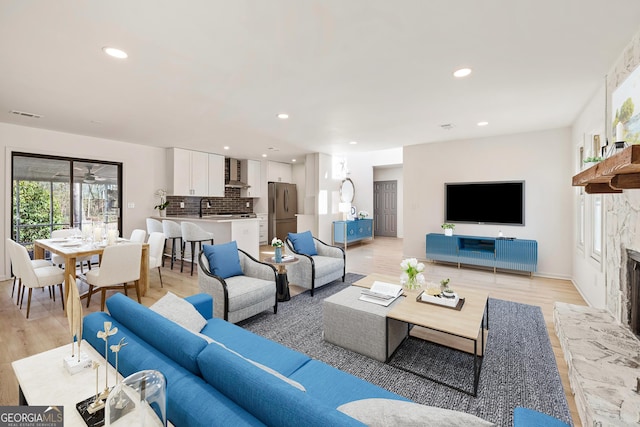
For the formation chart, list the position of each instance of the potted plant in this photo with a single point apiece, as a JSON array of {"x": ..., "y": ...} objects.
[
  {"x": 448, "y": 228},
  {"x": 447, "y": 292},
  {"x": 162, "y": 194}
]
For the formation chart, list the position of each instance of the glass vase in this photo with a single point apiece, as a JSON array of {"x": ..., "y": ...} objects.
[
  {"x": 278, "y": 254},
  {"x": 412, "y": 283}
]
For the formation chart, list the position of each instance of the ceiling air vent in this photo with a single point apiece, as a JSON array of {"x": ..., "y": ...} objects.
[
  {"x": 447, "y": 126},
  {"x": 25, "y": 114}
]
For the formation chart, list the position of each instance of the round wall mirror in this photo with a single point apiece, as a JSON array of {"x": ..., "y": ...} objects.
[{"x": 347, "y": 191}]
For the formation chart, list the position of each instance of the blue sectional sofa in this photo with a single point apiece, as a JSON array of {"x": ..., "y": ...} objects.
[{"x": 221, "y": 381}]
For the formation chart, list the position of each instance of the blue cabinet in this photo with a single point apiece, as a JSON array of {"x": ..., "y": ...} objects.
[
  {"x": 511, "y": 254},
  {"x": 345, "y": 232}
]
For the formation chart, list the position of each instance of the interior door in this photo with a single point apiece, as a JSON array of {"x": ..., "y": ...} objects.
[{"x": 385, "y": 208}]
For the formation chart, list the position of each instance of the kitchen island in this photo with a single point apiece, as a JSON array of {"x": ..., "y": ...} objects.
[{"x": 225, "y": 228}]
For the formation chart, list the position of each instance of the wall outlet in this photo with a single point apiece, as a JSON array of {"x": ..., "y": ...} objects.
[
  {"x": 131, "y": 205},
  {"x": 181, "y": 205}
]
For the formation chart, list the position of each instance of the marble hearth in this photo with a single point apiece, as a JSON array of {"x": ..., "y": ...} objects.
[{"x": 603, "y": 358}]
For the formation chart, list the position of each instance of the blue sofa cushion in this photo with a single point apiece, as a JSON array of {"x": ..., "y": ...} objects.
[
  {"x": 272, "y": 401},
  {"x": 303, "y": 243},
  {"x": 223, "y": 259},
  {"x": 524, "y": 417},
  {"x": 257, "y": 348},
  {"x": 190, "y": 400},
  {"x": 168, "y": 337},
  {"x": 334, "y": 387}
]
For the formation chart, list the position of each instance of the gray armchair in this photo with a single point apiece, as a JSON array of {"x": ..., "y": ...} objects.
[
  {"x": 240, "y": 297},
  {"x": 317, "y": 270}
]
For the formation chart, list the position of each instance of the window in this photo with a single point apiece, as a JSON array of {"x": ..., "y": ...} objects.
[
  {"x": 581, "y": 219},
  {"x": 50, "y": 193}
]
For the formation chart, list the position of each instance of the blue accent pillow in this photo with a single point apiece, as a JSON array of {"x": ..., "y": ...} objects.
[
  {"x": 223, "y": 259},
  {"x": 303, "y": 243}
]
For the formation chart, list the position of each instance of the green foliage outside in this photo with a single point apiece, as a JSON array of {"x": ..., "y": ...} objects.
[{"x": 36, "y": 214}]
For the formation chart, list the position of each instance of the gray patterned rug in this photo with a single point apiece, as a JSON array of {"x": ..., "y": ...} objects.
[{"x": 518, "y": 370}]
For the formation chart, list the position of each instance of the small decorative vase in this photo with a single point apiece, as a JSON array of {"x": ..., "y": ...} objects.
[
  {"x": 448, "y": 232},
  {"x": 278, "y": 254},
  {"x": 163, "y": 213}
]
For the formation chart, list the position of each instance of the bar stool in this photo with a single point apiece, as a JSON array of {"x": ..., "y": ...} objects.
[
  {"x": 173, "y": 232},
  {"x": 194, "y": 234}
]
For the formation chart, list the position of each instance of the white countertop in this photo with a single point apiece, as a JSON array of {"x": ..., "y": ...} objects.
[{"x": 206, "y": 218}]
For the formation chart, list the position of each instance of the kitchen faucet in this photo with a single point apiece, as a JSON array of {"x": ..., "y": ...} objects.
[{"x": 208, "y": 205}]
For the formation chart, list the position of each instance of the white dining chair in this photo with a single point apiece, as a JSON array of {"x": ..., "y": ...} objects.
[
  {"x": 36, "y": 263},
  {"x": 63, "y": 234},
  {"x": 156, "y": 248},
  {"x": 172, "y": 231},
  {"x": 120, "y": 265},
  {"x": 30, "y": 277},
  {"x": 138, "y": 235},
  {"x": 193, "y": 234}
]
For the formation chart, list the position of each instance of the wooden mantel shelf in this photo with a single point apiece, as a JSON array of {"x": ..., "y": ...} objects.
[{"x": 612, "y": 175}]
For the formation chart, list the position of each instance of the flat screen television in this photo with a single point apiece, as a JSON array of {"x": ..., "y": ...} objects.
[{"x": 485, "y": 202}]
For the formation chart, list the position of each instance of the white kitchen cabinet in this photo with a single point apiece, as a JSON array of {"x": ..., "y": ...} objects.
[
  {"x": 263, "y": 228},
  {"x": 195, "y": 173},
  {"x": 216, "y": 175},
  {"x": 279, "y": 172},
  {"x": 250, "y": 174}
]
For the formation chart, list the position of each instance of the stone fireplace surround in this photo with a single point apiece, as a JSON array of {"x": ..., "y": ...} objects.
[{"x": 632, "y": 294}]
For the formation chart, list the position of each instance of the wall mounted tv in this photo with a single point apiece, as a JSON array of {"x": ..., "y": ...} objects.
[{"x": 485, "y": 202}]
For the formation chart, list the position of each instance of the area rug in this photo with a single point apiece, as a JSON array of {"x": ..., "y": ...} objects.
[{"x": 519, "y": 368}]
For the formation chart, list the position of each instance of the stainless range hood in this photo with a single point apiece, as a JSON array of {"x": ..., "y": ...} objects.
[{"x": 233, "y": 182}]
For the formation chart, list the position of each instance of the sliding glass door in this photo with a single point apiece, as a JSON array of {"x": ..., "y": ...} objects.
[{"x": 51, "y": 193}]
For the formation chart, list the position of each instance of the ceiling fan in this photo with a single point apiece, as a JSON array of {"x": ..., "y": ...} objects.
[{"x": 90, "y": 177}]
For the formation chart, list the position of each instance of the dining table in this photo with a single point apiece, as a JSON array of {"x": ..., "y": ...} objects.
[{"x": 72, "y": 248}]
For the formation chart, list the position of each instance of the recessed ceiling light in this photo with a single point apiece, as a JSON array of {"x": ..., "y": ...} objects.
[
  {"x": 483, "y": 123},
  {"x": 264, "y": 155},
  {"x": 353, "y": 142},
  {"x": 293, "y": 160},
  {"x": 116, "y": 53},
  {"x": 283, "y": 116},
  {"x": 226, "y": 147},
  {"x": 462, "y": 72}
]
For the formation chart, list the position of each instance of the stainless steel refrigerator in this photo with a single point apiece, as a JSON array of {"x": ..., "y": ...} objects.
[{"x": 283, "y": 206}]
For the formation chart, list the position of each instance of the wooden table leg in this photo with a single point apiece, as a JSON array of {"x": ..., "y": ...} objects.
[{"x": 144, "y": 270}]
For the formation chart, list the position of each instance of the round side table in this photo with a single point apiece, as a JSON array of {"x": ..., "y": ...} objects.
[{"x": 282, "y": 283}]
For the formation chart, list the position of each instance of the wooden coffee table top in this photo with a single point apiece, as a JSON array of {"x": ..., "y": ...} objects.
[{"x": 465, "y": 323}]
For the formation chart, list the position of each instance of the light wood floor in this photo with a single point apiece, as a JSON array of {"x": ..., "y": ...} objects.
[{"x": 47, "y": 326}]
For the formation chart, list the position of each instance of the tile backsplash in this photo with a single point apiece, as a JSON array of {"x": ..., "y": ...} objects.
[{"x": 230, "y": 203}]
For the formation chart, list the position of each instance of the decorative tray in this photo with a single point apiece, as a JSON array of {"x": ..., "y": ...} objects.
[{"x": 457, "y": 307}]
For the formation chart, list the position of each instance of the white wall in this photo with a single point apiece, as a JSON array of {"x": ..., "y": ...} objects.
[
  {"x": 542, "y": 159},
  {"x": 588, "y": 274},
  {"x": 144, "y": 171},
  {"x": 394, "y": 174}
]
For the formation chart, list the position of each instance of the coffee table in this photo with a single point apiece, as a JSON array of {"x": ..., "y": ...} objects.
[
  {"x": 469, "y": 323},
  {"x": 445, "y": 326}
]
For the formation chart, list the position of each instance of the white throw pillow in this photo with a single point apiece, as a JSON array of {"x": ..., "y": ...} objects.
[
  {"x": 179, "y": 311},
  {"x": 389, "y": 412}
]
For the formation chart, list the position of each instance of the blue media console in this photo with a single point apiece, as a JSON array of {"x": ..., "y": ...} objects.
[
  {"x": 352, "y": 231},
  {"x": 504, "y": 253}
]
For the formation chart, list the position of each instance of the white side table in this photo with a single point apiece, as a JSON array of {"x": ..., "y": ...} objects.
[{"x": 44, "y": 381}]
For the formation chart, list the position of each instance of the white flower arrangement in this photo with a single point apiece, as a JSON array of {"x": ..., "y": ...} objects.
[
  {"x": 162, "y": 194},
  {"x": 412, "y": 276},
  {"x": 277, "y": 243},
  {"x": 363, "y": 214}
]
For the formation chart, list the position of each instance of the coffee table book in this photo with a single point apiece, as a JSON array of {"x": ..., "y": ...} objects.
[{"x": 381, "y": 293}]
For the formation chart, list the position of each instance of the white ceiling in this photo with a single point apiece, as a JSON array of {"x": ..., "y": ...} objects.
[{"x": 207, "y": 73}]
